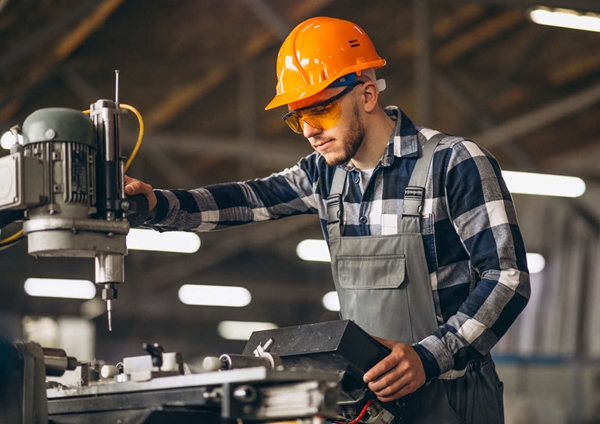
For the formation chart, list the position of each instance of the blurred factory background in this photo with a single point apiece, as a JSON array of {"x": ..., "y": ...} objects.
[{"x": 200, "y": 73}]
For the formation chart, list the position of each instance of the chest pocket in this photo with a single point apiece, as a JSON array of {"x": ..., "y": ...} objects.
[{"x": 371, "y": 272}]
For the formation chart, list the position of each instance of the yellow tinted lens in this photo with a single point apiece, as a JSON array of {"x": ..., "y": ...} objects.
[
  {"x": 294, "y": 123},
  {"x": 322, "y": 117}
]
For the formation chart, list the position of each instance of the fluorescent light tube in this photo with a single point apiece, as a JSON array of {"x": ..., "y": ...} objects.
[
  {"x": 242, "y": 330},
  {"x": 169, "y": 241},
  {"x": 194, "y": 294},
  {"x": 565, "y": 18},
  {"x": 331, "y": 301},
  {"x": 63, "y": 288},
  {"x": 543, "y": 184},
  {"x": 313, "y": 250},
  {"x": 535, "y": 262}
]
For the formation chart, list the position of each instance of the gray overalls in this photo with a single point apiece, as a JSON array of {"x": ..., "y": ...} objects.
[{"x": 383, "y": 285}]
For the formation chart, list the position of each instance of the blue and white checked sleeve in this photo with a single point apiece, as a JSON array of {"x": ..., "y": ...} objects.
[
  {"x": 481, "y": 210},
  {"x": 226, "y": 205}
]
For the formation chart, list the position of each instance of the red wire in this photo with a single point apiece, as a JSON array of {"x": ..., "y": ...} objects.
[{"x": 363, "y": 412}]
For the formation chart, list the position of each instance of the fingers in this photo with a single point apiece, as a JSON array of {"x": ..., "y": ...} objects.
[
  {"x": 381, "y": 368},
  {"x": 392, "y": 391},
  {"x": 396, "y": 392},
  {"x": 397, "y": 383},
  {"x": 385, "y": 364},
  {"x": 397, "y": 375},
  {"x": 134, "y": 186}
]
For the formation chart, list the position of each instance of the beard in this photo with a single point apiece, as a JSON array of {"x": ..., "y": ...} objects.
[{"x": 352, "y": 139}]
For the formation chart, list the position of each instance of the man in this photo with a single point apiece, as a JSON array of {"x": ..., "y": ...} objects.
[{"x": 426, "y": 251}]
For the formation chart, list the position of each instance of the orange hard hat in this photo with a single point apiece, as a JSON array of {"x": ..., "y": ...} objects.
[{"x": 316, "y": 53}]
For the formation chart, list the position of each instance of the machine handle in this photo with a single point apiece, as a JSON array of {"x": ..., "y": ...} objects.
[{"x": 138, "y": 211}]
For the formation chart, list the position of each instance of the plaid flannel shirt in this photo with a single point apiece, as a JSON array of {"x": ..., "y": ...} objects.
[{"x": 473, "y": 246}]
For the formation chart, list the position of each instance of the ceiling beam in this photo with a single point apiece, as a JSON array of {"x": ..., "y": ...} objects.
[
  {"x": 476, "y": 111},
  {"x": 522, "y": 54},
  {"x": 277, "y": 153},
  {"x": 181, "y": 98},
  {"x": 580, "y": 5},
  {"x": 539, "y": 118},
  {"x": 579, "y": 66},
  {"x": 442, "y": 27},
  {"x": 271, "y": 18},
  {"x": 481, "y": 34},
  {"x": 36, "y": 39},
  {"x": 62, "y": 49}
]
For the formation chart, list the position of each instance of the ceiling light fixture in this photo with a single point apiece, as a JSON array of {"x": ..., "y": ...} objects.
[
  {"x": 8, "y": 139},
  {"x": 62, "y": 288},
  {"x": 313, "y": 250},
  {"x": 565, "y": 18},
  {"x": 535, "y": 262},
  {"x": 242, "y": 330},
  {"x": 543, "y": 184},
  {"x": 194, "y": 294},
  {"x": 170, "y": 241},
  {"x": 331, "y": 301}
]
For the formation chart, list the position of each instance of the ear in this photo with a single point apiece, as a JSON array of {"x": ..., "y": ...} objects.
[{"x": 370, "y": 95}]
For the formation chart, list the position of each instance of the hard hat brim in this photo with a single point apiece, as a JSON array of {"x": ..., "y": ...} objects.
[{"x": 310, "y": 90}]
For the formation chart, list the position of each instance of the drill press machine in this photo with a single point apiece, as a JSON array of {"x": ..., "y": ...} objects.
[{"x": 67, "y": 181}]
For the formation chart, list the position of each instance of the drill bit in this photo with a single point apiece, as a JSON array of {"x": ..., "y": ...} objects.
[
  {"x": 109, "y": 293},
  {"x": 109, "y": 313}
]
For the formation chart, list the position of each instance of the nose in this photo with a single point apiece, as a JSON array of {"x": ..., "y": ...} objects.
[{"x": 310, "y": 131}]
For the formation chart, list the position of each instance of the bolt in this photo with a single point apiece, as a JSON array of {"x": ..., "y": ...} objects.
[
  {"x": 50, "y": 134},
  {"x": 125, "y": 205}
]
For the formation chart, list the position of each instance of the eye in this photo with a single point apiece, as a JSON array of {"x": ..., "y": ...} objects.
[{"x": 319, "y": 110}]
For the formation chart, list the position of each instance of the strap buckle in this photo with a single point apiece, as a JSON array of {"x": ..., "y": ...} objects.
[
  {"x": 334, "y": 208},
  {"x": 413, "y": 201}
]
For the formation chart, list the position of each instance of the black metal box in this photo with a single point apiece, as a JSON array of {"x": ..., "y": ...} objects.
[{"x": 326, "y": 346}]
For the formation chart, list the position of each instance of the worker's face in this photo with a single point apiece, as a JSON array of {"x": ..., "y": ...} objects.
[{"x": 339, "y": 142}]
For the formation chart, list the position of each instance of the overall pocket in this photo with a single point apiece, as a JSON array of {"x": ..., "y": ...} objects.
[{"x": 371, "y": 273}]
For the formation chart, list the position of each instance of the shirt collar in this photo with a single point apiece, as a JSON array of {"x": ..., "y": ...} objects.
[{"x": 403, "y": 142}]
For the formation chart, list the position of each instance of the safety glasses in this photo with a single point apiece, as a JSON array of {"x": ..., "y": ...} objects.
[{"x": 322, "y": 115}]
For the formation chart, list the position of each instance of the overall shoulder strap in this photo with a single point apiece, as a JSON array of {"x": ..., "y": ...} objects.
[
  {"x": 415, "y": 191},
  {"x": 335, "y": 205}
]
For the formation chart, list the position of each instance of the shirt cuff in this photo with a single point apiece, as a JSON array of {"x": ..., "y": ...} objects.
[
  {"x": 161, "y": 209},
  {"x": 430, "y": 364}
]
